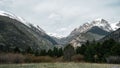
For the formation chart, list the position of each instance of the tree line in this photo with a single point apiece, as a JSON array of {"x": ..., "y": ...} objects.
[
  {"x": 92, "y": 51},
  {"x": 55, "y": 52},
  {"x": 99, "y": 51}
]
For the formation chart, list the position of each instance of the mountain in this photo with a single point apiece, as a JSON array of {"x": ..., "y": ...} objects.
[
  {"x": 101, "y": 23},
  {"x": 15, "y": 33},
  {"x": 115, "y": 26},
  {"x": 60, "y": 41},
  {"x": 114, "y": 35},
  {"x": 95, "y": 30}
]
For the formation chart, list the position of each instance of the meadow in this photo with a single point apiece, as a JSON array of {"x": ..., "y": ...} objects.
[{"x": 60, "y": 65}]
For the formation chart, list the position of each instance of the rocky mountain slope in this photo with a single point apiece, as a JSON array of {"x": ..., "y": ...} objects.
[
  {"x": 95, "y": 30},
  {"x": 113, "y": 35},
  {"x": 115, "y": 26},
  {"x": 14, "y": 33}
]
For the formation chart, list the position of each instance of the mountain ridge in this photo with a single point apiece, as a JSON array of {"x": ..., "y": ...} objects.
[
  {"x": 14, "y": 33},
  {"x": 96, "y": 29}
]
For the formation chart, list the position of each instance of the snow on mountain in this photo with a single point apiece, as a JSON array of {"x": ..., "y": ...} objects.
[
  {"x": 88, "y": 31},
  {"x": 101, "y": 23},
  {"x": 10, "y": 15},
  {"x": 55, "y": 35},
  {"x": 20, "y": 19},
  {"x": 115, "y": 26},
  {"x": 36, "y": 27}
]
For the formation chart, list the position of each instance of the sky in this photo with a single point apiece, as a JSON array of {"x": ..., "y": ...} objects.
[{"x": 60, "y": 17}]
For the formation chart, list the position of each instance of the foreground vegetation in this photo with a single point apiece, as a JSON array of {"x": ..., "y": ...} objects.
[
  {"x": 95, "y": 52},
  {"x": 60, "y": 65},
  {"x": 101, "y": 52}
]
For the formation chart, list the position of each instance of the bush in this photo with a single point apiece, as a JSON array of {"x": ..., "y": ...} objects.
[
  {"x": 11, "y": 58},
  {"x": 42, "y": 59},
  {"x": 113, "y": 59},
  {"x": 78, "y": 58},
  {"x": 37, "y": 59}
]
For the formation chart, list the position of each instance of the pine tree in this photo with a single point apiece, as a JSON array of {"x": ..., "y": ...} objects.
[
  {"x": 37, "y": 53},
  {"x": 55, "y": 51},
  {"x": 29, "y": 50},
  {"x": 43, "y": 52},
  {"x": 68, "y": 52},
  {"x": 60, "y": 52},
  {"x": 16, "y": 50},
  {"x": 50, "y": 53},
  {"x": 81, "y": 50}
]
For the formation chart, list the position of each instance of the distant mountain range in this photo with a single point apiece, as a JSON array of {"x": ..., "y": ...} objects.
[
  {"x": 95, "y": 30},
  {"x": 16, "y": 32}
]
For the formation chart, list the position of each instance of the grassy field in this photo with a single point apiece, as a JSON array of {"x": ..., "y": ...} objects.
[{"x": 59, "y": 65}]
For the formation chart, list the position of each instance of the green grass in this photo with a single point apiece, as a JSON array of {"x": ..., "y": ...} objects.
[{"x": 60, "y": 65}]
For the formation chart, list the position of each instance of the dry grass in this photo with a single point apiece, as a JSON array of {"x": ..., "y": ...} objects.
[
  {"x": 38, "y": 59},
  {"x": 78, "y": 58},
  {"x": 6, "y": 58},
  {"x": 60, "y": 65},
  {"x": 11, "y": 58}
]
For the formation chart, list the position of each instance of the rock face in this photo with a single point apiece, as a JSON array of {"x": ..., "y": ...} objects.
[
  {"x": 95, "y": 30},
  {"x": 114, "y": 35},
  {"x": 101, "y": 23},
  {"x": 115, "y": 26},
  {"x": 13, "y": 33}
]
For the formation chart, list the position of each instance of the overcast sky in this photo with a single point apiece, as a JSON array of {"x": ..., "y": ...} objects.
[{"x": 60, "y": 17}]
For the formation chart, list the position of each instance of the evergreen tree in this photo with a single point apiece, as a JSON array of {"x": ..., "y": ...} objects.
[
  {"x": 37, "y": 53},
  {"x": 68, "y": 52},
  {"x": 81, "y": 50},
  {"x": 60, "y": 52},
  {"x": 115, "y": 50},
  {"x": 50, "y": 53},
  {"x": 87, "y": 42},
  {"x": 89, "y": 53},
  {"x": 43, "y": 53},
  {"x": 105, "y": 48},
  {"x": 55, "y": 51},
  {"x": 29, "y": 50},
  {"x": 16, "y": 50}
]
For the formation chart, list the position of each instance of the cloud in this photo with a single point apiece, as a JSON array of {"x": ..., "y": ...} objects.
[
  {"x": 62, "y": 16},
  {"x": 62, "y": 29}
]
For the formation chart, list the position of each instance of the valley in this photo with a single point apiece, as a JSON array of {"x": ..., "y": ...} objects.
[{"x": 23, "y": 42}]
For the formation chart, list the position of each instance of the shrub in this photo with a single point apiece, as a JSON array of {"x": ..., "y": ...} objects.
[
  {"x": 113, "y": 59},
  {"x": 37, "y": 59},
  {"x": 11, "y": 58},
  {"x": 78, "y": 58}
]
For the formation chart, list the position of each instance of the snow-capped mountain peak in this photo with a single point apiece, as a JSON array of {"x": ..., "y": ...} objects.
[
  {"x": 13, "y": 16},
  {"x": 20, "y": 19},
  {"x": 116, "y": 25},
  {"x": 99, "y": 19},
  {"x": 101, "y": 23},
  {"x": 56, "y": 35}
]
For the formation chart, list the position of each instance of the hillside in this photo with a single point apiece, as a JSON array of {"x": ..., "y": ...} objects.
[{"x": 14, "y": 33}]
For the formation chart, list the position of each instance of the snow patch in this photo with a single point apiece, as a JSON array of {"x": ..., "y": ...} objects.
[
  {"x": 56, "y": 35},
  {"x": 114, "y": 26},
  {"x": 13, "y": 16}
]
